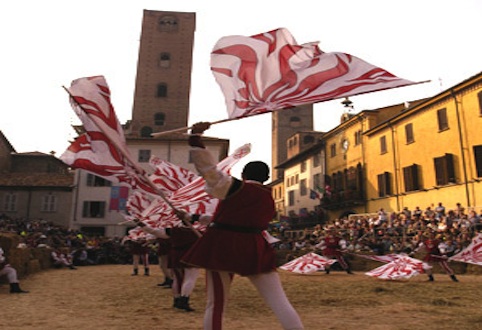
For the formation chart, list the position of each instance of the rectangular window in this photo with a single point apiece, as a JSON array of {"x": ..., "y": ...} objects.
[
  {"x": 144, "y": 156},
  {"x": 358, "y": 137},
  {"x": 303, "y": 166},
  {"x": 10, "y": 202},
  {"x": 384, "y": 184},
  {"x": 162, "y": 90},
  {"x": 444, "y": 170},
  {"x": 49, "y": 203},
  {"x": 93, "y": 209},
  {"x": 317, "y": 181},
  {"x": 409, "y": 134},
  {"x": 410, "y": 178},
  {"x": 333, "y": 150},
  {"x": 478, "y": 160},
  {"x": 97, "y": 181},
  {"x": 291, "y": 197},
  {"x": 316, "y": 160},
  {"x": 303, "y": 190},
  {"x": 383, "y": 144},
  {"x": 479, "y": 95},
  {"x": 443, "y": 122}
]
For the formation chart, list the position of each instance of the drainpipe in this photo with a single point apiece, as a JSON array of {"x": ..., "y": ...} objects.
[
  {"x": 461, "y": 143},
  {"x": 360, "y": 118},
  {"x": 395, "y": 171}
]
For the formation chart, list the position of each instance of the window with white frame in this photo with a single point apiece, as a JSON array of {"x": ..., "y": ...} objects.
[
  {"x": 49, "y": 203},
  {"x": 10, "y": 202}
]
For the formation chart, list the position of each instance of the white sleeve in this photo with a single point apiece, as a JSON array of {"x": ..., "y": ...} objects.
[
  {"x": 217, "y": 182},
  {"x": 158, "y": 232}
]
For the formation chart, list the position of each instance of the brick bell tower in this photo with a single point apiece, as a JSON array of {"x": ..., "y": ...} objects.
[
  {"x": 285, "y": 123},
  {"x": 163, "y": 81}
]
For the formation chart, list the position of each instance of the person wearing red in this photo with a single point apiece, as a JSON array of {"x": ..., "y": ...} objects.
[
  {"x": 140, "y": 253},
  {"x": 431, "y": 248},
  {"x": 233, "y": 242},
  {"x": 184, "y": 277},
  {"x": 332, "y": 248},
  {"x": 163, "y": 247}
]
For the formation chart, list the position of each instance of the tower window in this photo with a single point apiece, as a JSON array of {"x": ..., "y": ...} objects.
[
  {"x": 159, "y": 119},
  {"x": 165, "y": 60},
  {"x": 146, "y": 131},
  {"x": 162, "y": 90},
  {"x": 168, "y": 23}
]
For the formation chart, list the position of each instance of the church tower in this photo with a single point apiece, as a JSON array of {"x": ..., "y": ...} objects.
[
  {"x": 161, "y": 97},
  {"x": 285, "y": 123}
]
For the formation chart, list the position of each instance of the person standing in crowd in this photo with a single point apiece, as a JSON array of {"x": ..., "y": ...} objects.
[
  {"x": 332, "y": 247},
  {"x": 184, "y": 277},
  {"x": 431, "y": 247},
  {"x": 163, "y": 246},
  {"x": 11, "y": 274},
  {"x": 233, "y": 242},
  {"x": 140, "y": 253}
]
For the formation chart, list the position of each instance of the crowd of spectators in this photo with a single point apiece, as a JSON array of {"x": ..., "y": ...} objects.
[
  {"x": 392, "y": 232},
  {"x": 379, "y": 233},
  {"x": 81, "y": 248}
]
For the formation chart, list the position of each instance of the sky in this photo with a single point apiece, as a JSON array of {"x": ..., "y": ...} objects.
[{"x": 47, "y": 44}]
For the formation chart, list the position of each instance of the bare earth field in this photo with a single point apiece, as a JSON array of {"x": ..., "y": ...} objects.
[{"x": 107, "y": 298}]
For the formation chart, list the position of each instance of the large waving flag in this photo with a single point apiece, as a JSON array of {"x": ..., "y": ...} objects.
[
  {"x": 102, "y": 149},
  {"x": 184, "y": 189},
  {"x": 307, "y": 264},
  {"x": 472, "y": 253},
  {"x": 270, "y": 71},
  {"x": 401, "y": 268}
]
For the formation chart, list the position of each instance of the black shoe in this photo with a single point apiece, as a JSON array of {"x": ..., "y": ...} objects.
[
  {"x": 135, "y": 272},
  {"x": 454, "y": 278},
  {"x": 15, "y": 288},
  {"x": 184, "y": 304},
  {"x": 167, "y": 282},
  {"x": 430, "y": 278},
  {"x": 146, "y": 271},
  {"x": 327, "y": 271},
  {"x": 348, "y": 271}
]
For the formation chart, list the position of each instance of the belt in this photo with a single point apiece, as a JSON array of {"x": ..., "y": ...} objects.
[{"x": 238, "y": 229}]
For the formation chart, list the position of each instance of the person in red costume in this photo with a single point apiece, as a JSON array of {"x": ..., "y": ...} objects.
[
  {"x": 234, "y": 243},
  {"x": 333, "y": 249},
  {"x": 433, "y": 255},
  {"x": 184, "y": 277}
]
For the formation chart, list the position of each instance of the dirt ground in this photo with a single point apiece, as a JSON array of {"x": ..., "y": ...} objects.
[{"x": 107, "y": 298}]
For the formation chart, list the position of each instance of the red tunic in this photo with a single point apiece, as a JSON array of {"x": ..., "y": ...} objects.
[
  {"x": 332, "y": 246},
  {"x": 240, "y": 252},
  {"x": 432, "y": 250},
  {"x": 181, "y": 240},
  {"x": 163, "y": 246}
]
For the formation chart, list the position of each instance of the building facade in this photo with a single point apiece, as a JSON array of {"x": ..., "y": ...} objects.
[
  {"x": 419, "y": 153},
  {"x": 34, "y": 186}
]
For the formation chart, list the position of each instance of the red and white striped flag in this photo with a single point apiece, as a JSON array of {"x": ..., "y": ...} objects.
[
  {"x": 472, "y": 253},
  {"x": 402, "y": 268},
  {"x": 102, "y": 149},
  {"x": 307, "y": 264},
  {"x": 270, "y": 71}
]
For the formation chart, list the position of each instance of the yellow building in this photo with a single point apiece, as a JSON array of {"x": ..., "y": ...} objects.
[{"x": 428, "y": 153}]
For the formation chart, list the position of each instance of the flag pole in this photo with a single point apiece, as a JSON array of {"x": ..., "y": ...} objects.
[
  {"x": 136, "y": 166},
  {"x": 211, "y": 123}
]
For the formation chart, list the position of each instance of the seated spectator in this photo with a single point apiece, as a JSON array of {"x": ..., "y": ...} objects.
[
  {"x": 10, "y": 273},
  {"x": 60, "y": 259}
]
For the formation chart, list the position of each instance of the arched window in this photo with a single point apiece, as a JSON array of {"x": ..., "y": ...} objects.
[
  {"x": 146, "y": 131},
  {"x": 164, "y": 60},
  {"x": 162, "y": 90},
  {"x": 159, "y": 119},
  {"x": 168, "y": 23}
]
